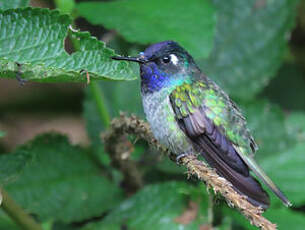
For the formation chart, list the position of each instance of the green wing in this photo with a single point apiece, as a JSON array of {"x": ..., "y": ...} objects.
[{"x": 217, "y": 107}]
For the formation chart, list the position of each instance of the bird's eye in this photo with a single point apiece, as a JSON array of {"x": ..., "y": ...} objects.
[{"x": 166, "y": 59}]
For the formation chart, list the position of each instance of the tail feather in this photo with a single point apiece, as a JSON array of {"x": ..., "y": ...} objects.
[
  {"x": 243, "y": 184},
  {"x": 262, "y": 175}
]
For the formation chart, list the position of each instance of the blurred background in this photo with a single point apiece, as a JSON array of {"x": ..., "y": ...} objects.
[{"x": 255, "y": 50}]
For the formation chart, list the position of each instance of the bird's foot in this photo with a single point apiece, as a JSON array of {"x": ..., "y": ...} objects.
[{"x": 180, "y": 157}]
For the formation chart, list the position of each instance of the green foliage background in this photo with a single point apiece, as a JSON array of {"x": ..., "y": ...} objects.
[{"x": 253, "y": 49}]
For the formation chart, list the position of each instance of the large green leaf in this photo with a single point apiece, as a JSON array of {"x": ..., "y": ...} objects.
[
  {"x": 267, "y": 123},
  {"x": 35, "y": 38},
  {"x": 154, "y": 207},
  {"x": 289, "y": 79},
  {"x": 190, "y": 23},
  {"x": 8, "y": 4},
  {"x": 295, "y": 124},
  {"x": 61, "y": 226},
  {"x": 286, "y": 219},
  {"x": 14, "y": 164},
  {"x": 2, "y": 134},
  {"x": 58, "y": 181},
  {"x": 123, "y": 96},
  {"x": 6, "y": 223},
  {"x": 250, "y": 41},
  {"x": 226, "y": 224},
  {"x": 287, "y": 171},
  {"x": 65, "y": 6}
]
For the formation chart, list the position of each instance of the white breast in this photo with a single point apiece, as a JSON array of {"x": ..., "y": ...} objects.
[{"x": 161, "y": 117}]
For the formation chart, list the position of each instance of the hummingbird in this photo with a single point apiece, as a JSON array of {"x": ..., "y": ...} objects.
[{"x": 190, "y": 114}]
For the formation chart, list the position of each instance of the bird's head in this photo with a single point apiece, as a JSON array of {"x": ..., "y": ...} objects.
[{"x": 164, "y": 64}]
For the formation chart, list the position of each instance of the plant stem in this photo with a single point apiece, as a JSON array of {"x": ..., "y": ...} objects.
[
  {"x": 24, "y": 220},
  {"x": 210, "y": 210},
  {"x": 99, "y": 99}
]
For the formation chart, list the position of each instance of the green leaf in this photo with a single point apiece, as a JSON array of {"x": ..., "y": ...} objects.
[
  {"x": 35, "y": 38},
  {"x": 168, "y": 166},
  {"x": 61, "y": 226},
  {"x": 154, "y": 207},
  {"x": 251, "y": 38},
  {"x": 190, "y": 23},
  {"x": 287, "y": 171},
  {"x": 295, "y": 124},
  {"x": 123, "y": 96},
  {"x": 267, "y": 124},
  {"x": 2, "y": 134},
  {"x": 8, "y": 4},
  {"x": 14, "y": 164},
  {"x": 57, "y": 181},
  {"x": 122, "y": 99},
  {"x": 289, "y": 78},
  {"x": 65, "y": 6},
  {"x": 6, "y": 223},
  {"x": 226, "y": 224},
  {"x": 286, "y": 218}
]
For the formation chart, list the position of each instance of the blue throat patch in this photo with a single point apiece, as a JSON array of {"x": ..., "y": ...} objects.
[{"x": 153, "y": 79}]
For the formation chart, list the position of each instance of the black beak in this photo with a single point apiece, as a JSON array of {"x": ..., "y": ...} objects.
[{"x": 133, "y": 59}]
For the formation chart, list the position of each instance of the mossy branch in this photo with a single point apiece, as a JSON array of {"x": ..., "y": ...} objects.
[
  {"x": 119, "y": 149},
  {"x": 132, "y": 125}
]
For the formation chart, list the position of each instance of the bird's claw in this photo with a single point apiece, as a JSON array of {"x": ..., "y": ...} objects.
[{"x": 180, "y": 157}]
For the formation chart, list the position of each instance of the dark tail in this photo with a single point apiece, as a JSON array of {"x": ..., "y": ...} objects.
[{"x": 243, "y": 183}]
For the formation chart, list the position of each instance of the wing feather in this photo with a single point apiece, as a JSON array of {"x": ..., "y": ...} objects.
[{"x": 211, "y": 136}]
